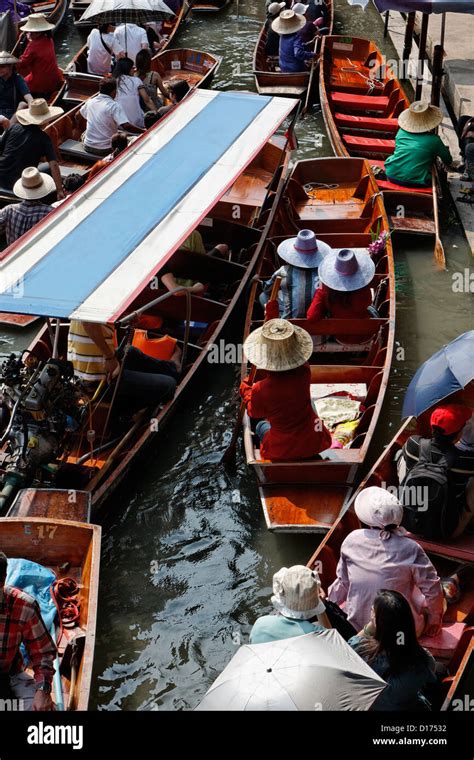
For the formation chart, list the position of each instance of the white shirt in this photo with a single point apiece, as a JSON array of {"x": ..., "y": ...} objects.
[
  {"x": 99, "y": 61},
  {"x": 104, "y": 116},
  {"x": 129, "y": 99},
  {"x": 136, "y": 39}
]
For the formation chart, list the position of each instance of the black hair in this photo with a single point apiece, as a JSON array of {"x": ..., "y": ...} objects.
[
  {"x": 151, "y": 118},
  {"x": 51, "y": 198},
  {"x": 104, "y": 28},
  {"x": 442, "y": 438},
  {"x": 119, "y": 142},
  {"x": 143, "y": 61},
  {"x": 73, "y": 182},
  {"x": 3, "y": 567},
  {"x": 179, "y": 88},
  {"x": 122, "y": 68},
  {"x": 107, "y": 85}
]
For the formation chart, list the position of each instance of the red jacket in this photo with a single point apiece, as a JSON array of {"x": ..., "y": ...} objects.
[
  {"x": 39, "y": 63},
  {"x": 341, "y": 305},
  {"x": 283, "y": 398}
]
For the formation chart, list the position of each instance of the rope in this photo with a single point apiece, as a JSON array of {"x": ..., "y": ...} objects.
[
  {"x": 311, "y": 187},
  {"x": 64, "y": 592}
]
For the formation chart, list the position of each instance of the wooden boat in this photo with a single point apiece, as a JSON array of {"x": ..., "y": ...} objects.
[
  {"x": 100, "y": 471},
  {"x": 194, "y": 66},
  {"x": 47, "y": 528},
  {"x": 344, "y": 210},
  {"x": 210, "y": 7},
  {"x": 361, "y": 100},
  {"x": 270, "y": 81}
]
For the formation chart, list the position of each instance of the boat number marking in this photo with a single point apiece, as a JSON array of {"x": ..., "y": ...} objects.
[{"x": 44, "y": 531}]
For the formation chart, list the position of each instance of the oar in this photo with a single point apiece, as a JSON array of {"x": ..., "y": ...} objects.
[
  {"x": 228, "y": 456},
  {"x": 439, "y": 250},
  {"x": 314, "y": 64}
]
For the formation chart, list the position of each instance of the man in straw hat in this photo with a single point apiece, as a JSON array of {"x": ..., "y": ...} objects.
[
  {"x": 416, "y": 146},
  {"x": 345, "y": 291},
  {"x": 37, "y": 191},
  {"x": 13, "y": 88},
  {"x": 303, "y": 255},
  {"x": 293, "y": 56},
  {"x": 26, "y": 144},
  {"x": 289, "y": 427},
  {"x": 38, "y": 62}
]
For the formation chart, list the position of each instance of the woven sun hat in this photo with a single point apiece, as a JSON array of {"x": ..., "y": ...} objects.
[
  {"x": 420, "y": 117},
  {"x": 278, "y": 346},
  {"x": 304, "y": 251},
  {"x": 296, "y": 593},
  {"x": 38, "y": 112},
  {"x": 7, "y": 59},
  {"x": 346, "y": 270},
  {"x": 37, "y": 23},
  {"x": 275, "y": 8},
  {"x": 288, "y": 22},
  {"x": 378, "y": 508},
  {"x": 33, "y": 184},
  {"x": 300, "y": 8}
]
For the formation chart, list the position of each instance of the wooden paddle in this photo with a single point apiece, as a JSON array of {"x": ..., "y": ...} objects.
[
  {"x": 439, "y": 250},
  {"x": 228, "y": 457},
  {"x": 314, "y": 64}
]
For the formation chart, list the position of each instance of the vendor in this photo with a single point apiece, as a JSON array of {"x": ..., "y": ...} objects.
[{"x": 38, "y": 63}]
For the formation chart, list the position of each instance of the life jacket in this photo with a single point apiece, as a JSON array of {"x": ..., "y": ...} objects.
[{"x": 158, "y": 348}]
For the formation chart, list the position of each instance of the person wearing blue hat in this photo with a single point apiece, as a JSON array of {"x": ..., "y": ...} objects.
[
  {"x": 345, "y": 291},
  {"x": 302, "y": 256}
]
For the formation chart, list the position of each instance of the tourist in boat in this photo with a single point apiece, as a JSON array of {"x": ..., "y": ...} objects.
[
  {"x": 344, "y": 291},
  {"x": 303, "y": 255},
  {"x": 447, "y": 427},
  {"x": 131, "y": 93},
  {"x": 292, "y": 56},
  {"x": 129, "y": 39},
  {"x": 151, "y": 80},
  {"x": 381, "y": 555},
  {"x": 195, "y": 244},
  {"x": 119, "y": 143},
  {"x": 37, "y": 192},
  {"x": 21, "y": 624},
  {"x": 13, "y": 88},
  {"x": 38, "y": 63},
  {"x": 288, "y": 427},
  {"x": 104, "y": 118},
  {"x": 26, "y": 144},
  {"x": 296, "y": 599},
  {"x": 388, "y": 643},
  {"x": 272, "y": 41},
  {"x": 417, "y": 147},
  {"x": 102, "y": 48},
  {"x": 177, "y": 90}
]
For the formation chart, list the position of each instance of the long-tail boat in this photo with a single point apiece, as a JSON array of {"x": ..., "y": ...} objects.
[
  {"x": 269, "y": 80},
  {"x": 51, "y": 529},
  {"x": 339, "y": 200},
  {"x": 361, "y": 99},
  {"x": 98, "y": 258}
]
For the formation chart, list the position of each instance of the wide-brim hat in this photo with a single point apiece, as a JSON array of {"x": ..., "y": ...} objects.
[
  {"x": 378, "y": 508},
  {"x": 38, "y": 112},
  {"x": 296, "y": 593},
  {"x": 346, "y": 270},
  {"x": 288, "y": 22},
  {"x": 420, "y": 117},
  {"x": 278, "y": 346},
  {"x": 37, "y": 22},
  {"x": 275, "y": 8},
  {"x": 7, "y": 58},
  {"x": 33, "y": 184},
  {"x": 304, "y": 251}
]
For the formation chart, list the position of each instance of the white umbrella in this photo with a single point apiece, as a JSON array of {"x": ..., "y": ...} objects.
[
  {"x": 317, "y": 671},
  {"x": 125, "y": 11}
]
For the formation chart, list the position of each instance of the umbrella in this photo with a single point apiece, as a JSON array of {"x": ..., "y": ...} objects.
[
  {"x": 448, "y": 371},
  {"x": 125, "y": 11},
  {"x": 317, "y": 671}
]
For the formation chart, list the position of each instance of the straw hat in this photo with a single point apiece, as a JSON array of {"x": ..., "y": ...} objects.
[
  {"x": 296, "y": 593},
  {"x": 420, "y": 117},
  {"x": 288, "y": 22},
  {"x": 275, "y": 8},
  {"x": 37, "y": 23},
  {"x": 303, "y": 251},
  {"x": 347, "y": 270},
  {"x": 278, "y": 346},
  {"x": 7, "y": 59},
  {"x": 378, "y": 508},
  {"x": 33, "y": 184},
  {"x": 38, "y": 112}
]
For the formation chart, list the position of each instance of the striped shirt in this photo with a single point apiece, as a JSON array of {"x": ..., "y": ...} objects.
[
  {"x": 21, "y": 623},
  {"x": 18, "y": 218},
  {"x": 297, "y": 289},
  {"x": 87, "y": 358}
]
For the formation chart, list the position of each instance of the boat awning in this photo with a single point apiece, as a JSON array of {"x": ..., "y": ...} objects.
[{"x": 90, "y": 258}]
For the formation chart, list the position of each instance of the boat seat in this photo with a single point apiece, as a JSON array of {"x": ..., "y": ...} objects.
[
  {"x": 351, "y": 121},
  {"x": 444, "y": 644},
  {"x": 76, "y": 149},
  {"x": 387, "y": 185},
  {"x": 359, "y": 102},
  {"x": 8, "y": 194},
  {"x": 369, "y": 144}
]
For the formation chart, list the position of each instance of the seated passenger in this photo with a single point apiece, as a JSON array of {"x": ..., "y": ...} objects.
[
  {"x": 152, "y": 81},
  {"x": 388, "y": 643},
  {"x": 448, "y": 520},
  {"x": 416, "y": 147},
  {"x": 194, "y": 243},
  {"x": 177, "y": 89},
  {"x": 272, "y": 42},
  {"x": 381, "y": 555},
  {"x": 131, "y": 93},
  {"x": 21, "y": 624},
  {"x": 293, "y": 56},
  {"x": 296, "y": 599},
  {"x": 300, "y": 278},
  {"x": 38, "y": 63},
  {"x": 344, "y": 292},
  {"x": 289, "y": 428},
  {"x": 309, "y": 31},
  {"x": 13, "y": 88},
  {"x": 38, "y": 192},
  {"x": 101, "y": 48},
  {"x": 104, "y": 117},
  {"x": 119, "y": 143}
]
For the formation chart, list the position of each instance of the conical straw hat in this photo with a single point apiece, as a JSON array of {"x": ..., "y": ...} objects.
[
  {"x": 420, "y": 117},
  {"x": 278, "y": 346},
  {"x": 37, "y": 22},
  {"x": 7, "y": 59}
]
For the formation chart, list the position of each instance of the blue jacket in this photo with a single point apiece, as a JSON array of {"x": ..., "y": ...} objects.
[{"x": 292, "y": 53}]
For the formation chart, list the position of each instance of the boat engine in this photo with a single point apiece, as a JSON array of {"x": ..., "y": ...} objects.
[{"x": 38, "y": 408}]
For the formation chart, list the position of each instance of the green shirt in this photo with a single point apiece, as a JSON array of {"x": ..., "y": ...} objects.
[
  {"x": 414, "y": 156},
  {"x": 277, "y": 627}
]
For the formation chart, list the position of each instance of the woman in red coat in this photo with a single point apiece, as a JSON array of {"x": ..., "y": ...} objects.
[
  {"x": 344, "y": 291},
  {"x": 289, "y": 428},
  {"x": 38, "y": 63}
]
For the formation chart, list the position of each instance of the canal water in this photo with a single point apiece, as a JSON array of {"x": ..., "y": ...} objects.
[{"x": 187, "y": 561}]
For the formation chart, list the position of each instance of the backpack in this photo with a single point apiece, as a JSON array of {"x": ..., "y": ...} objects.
[{"x": 427, "y": 484}]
